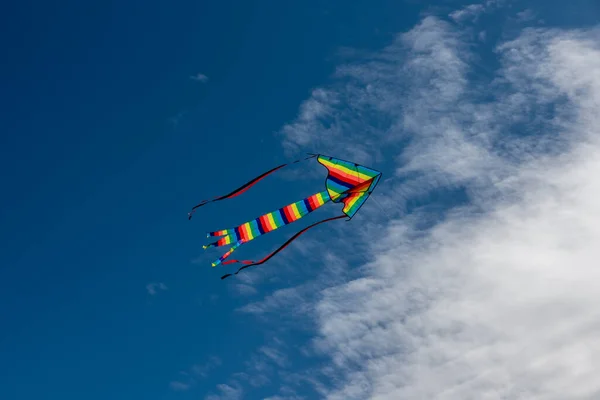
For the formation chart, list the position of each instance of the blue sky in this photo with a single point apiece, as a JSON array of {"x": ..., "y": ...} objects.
[{"x": 107, "y": 141}]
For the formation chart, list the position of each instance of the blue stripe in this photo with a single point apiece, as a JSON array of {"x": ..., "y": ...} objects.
[
  {"x": 283, "y": 216},
  {"x": 334, "y": 187},
  {"x": 307, "y": 205},
  {"x": 260, "y": 227},
  {"x": 340, "y": 182}
]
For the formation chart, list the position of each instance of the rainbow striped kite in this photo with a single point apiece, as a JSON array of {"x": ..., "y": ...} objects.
[{"x": 347, "y": 183}]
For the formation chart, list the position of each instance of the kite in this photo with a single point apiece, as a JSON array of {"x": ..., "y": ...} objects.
[{"x": 347, "y": 182}]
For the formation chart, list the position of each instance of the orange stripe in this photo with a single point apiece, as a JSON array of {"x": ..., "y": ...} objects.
[
  {"x": 244, "y": 232},
  {"x": 265, "y": 224}
]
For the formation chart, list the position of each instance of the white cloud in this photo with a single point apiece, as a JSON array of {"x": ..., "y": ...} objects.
[
  {"x": 152, "y": 288},
  {"x": 305, "y": 130},
  {"x": 245, "y": 290},
  {"x": 275, "y": 355},
  {"x": 526, "y": 15},
  {"x": 196, "y": 372},
  {"x": 292, "y": 397},
  {"x": 499, "y": 300},
  {"x": 202, "y": 370},
  {"x": 472, "y": 12},
  {"x": 179, "y": 386},
  {"x": 199, "y": 78},
  {"x": 226, "y": 392}
]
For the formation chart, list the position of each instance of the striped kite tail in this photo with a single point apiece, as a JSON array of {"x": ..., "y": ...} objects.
[{"x": 266, "y": 223}]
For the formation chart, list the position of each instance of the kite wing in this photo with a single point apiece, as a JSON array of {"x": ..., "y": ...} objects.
[{"x": 349, "y": 183}]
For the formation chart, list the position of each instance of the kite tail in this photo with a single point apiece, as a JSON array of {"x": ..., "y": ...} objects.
[
  {"x": 269, "y": 256},
  {"x": 245, "y": 186},
  {"x": 224, "y": 256},
  {"x": 269, "y": 222},
  {"x": 223, "y": 232},
  {"x": 221, "y": 242}
]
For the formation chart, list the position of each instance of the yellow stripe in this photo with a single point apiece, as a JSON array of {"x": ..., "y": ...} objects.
[
  {"x": 319, "y": 199},
  {"x": 296, "y": 211},
  {"x": 248, "y": 231},
  {"x": 334, "y": 194},
  {"x": 271, "y": 221},
  {"x": 352, "y": 201}
]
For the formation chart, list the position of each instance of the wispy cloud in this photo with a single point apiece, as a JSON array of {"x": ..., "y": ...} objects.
[
  {"x": 199, "y": 77},
  {"x": 286, "y": 397},
  {"x": 265, "y": 363},
  {"x": 176, "y": 119},
  {"x": 179, "y": 386},
  {"x": 202, "y": 370},
  {"x": 226, "y": 392},
  {"x": 275, "y": 355},
  {"x": 526, "y": 15},
  {"x": 471, "y": 12},
  {"x": 195, "y": 373},
  {"x": 244, "y": 289},
  {"x": 153, "y": 288},
  {"x": 495, "y": 297}
]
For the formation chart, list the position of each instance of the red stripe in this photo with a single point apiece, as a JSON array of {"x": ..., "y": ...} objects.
[
  {"x": 237, "y": 261},
  {"x": 313, "y": 202},
  {"x": 243, "y": 233},
  {"x": 265, "y": 224},
  {"x": 289, "y": 213},
  {"x": 339, "y": 171},
  {"x": 263, "y": 228},
  {"x": 353, "y": 180},
  {"x": 361, "y": 187}
]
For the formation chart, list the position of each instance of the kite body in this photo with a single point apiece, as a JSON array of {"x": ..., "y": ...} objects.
[{"x": 347, "y": 183}]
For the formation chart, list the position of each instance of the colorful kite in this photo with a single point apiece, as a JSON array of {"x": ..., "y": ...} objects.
[{"x": 347, "y": 183}]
